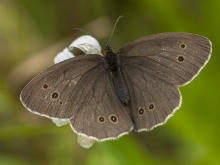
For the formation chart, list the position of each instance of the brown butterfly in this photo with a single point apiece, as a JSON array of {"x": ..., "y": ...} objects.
[{"x": 137, "y": 87}]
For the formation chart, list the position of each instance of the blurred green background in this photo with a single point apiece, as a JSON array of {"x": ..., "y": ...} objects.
[{"x": 32, "y": 32}]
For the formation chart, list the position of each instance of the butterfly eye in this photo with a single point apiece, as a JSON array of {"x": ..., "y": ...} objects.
[
  {"x": 151, "y": 106},
  {"x": 101, "y": 119},
  {"x": 183, "y": 46},
  {"x": 45, "y": 86},
  {"x": 55, "y": 95},
  {"x": 113, "y": 119},
  {"x": 141, "y": 111},
  {"x": 180, "y": 58}
]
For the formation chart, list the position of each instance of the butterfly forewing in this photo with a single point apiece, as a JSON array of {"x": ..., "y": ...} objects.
[
  {"x": 57, "y": 91},
  {"x": 174, "y": 57}
]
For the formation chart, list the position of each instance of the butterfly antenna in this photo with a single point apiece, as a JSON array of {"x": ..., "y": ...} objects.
[
  {"x": 114, "y": 28},
  {"x": 88, "y": 34}
]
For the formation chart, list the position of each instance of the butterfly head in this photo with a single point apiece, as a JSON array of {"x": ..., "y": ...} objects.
[{"x": 107, "y": 49}]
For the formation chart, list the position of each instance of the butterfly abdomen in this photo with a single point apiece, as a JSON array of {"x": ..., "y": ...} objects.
[
  {"x": 120, "y": 86},
  {"x": 112, "y": 63}
]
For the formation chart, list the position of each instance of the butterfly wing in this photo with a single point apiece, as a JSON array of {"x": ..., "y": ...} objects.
[
  {"x": 176, "y": 58},
  {"x": 102, "y": 116},
  {"x": 152, "y": 100},
  {"x": 79, "y": 90},
  {"x": 55, "y": 91},
  {"x": 154, "y": 66}
]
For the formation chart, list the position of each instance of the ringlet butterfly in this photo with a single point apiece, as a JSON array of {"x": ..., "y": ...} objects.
[{"x": 137, "y": 87}]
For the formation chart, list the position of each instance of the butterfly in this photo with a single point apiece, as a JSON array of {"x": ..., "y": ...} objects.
[{"x": 105, "y": 97}]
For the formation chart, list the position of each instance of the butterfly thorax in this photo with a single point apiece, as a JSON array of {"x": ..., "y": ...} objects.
[
  {"x": 112, "y": 64},
  {"x": 111, "y": 58}
]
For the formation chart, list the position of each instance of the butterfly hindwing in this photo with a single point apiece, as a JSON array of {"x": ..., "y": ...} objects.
[
  {"x": 102, "y": 115},
  {"x": 153, "y": 100}
]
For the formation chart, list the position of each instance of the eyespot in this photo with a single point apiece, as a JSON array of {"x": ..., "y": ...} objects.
[
  {"x": 45, "y": 86},
  {"x": 101, "y": 119},
  {"x": 141, "y": 111},
  {"x": 113, "y": 119},
  {"x": 183, "y": 46},
  {"x": 55, "y": 95},
  {"x": 151, "y": 106},
  {"x": 180, "y": 58}
]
